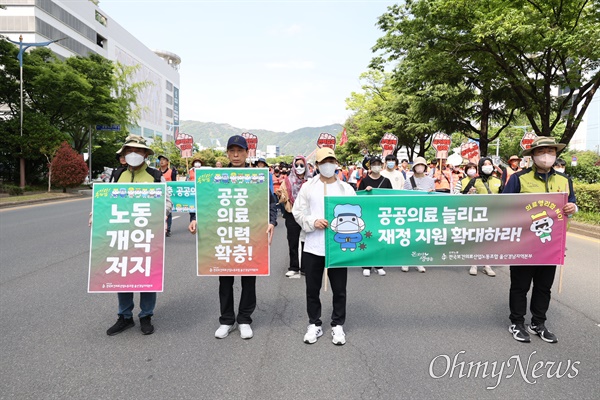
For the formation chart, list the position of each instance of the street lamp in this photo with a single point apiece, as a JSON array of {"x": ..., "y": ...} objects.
[{"x": 22, "y": 48}]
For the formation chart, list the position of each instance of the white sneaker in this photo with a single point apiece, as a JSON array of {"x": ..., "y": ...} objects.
[
  {"x": 339, "y": 337},
  {"x": 246, "y": 331},
  {"x": 224, "y": 331},
  {"x": 289, "y": 274},
  {"x": 313, "y": 332},
  {"x": 488, "y": 271},
  {"x": 380, "y": 272},
  {"x": 366, "y": 272},
  {"x": 421, "y": 269},
  {"x": 473, "y": 270},
  {"x": 404, "y": 269}
]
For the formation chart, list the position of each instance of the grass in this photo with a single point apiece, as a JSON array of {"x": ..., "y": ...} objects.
[
  {"x": 586, "y": 217},
  {"x": 33, "y": 197}
]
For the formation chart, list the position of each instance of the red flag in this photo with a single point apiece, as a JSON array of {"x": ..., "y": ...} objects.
[{"x": 344, "y": 138}]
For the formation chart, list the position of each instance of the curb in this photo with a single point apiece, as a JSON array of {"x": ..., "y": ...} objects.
[
  {"x": 584, "y": 229},
  {"x": 28, "y": 202}
]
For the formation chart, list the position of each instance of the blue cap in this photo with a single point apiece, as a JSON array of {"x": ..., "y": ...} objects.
[{"x": 237, "y": 140}]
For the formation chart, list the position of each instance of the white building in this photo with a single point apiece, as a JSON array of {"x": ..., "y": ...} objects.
[
  {"x": 587, "y": 136},
  {"x": 87, "y": 29},
  {"x": 272, "y": 151}
]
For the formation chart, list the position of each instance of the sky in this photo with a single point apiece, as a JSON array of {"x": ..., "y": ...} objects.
[{"x": 276, "y": 65}]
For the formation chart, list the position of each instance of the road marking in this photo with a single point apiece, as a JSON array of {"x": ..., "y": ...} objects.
[
  {"x": 42, "y": 203},
  {"x": 578, "y": 236}
]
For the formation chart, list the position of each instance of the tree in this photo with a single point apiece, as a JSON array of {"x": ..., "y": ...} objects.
[
  {"x": 532, "y": 48},
  {"x": 68, "y": 168}
]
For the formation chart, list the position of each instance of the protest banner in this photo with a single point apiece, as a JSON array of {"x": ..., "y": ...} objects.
[
  {"x": 326, "y": 140},
  {"x": 441, "y": 143},
  {"x": 185, "y": 144},
  {"x": 183, "y": 196},
  {"x": 252, "y": 141},
  {"x": 527, "y": 139},
  {"x": 388, "y": 144},
  {"x": 470, "y": 151},
  {"x": 445, "y": 230},
  {"x": 127, "y": 239},
  {"x": 233, "y": 212}
]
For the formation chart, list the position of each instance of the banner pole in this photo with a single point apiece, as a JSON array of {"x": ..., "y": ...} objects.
[
  {"x": 560, "y": 279},
  {"x": 325, "y": 278}
]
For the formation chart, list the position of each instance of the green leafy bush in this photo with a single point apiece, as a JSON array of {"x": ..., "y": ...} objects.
[{"x": 588, "y": 196}]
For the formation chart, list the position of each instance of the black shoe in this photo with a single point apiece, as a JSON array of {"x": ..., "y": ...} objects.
[
  {"x": 119, "y": 326},
  {"x": 168, "y": 234},
  {"x": 542, "y": 332},
  {"x": 519, "y": 333},
  {"x": 146, "y": 324}
]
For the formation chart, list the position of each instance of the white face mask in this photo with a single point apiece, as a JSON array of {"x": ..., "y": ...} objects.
[
  {"x": 419, "y": 169},
  {"x": 197, "y": 165},
  {"x": 134, "y": 159},
  {"x": 300, "y": 170},
  {"x": 561, "y": 170},
  {"x": 471, "y": 173},
  {"x": 487, "y": 169},
  {"x": 376, "y": 168},
  {"x": 544, "y": 161},
  {"x": 391, "y": 165},
  {"x": 327, "y": 169}
]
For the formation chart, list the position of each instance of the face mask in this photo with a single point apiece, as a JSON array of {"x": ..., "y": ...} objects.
[
  {"x": 300, "y": 170},
  {"x": 487, "y": 169},
  {"x": 419, "y": 169},
  {"x": 197, "y": 165},
  {"x": 391, "y": 165},
  {"x": 471, "y": 173},
  {"x": 561, "y": 170},
  {"x": 134, "y": 159},
  {"x": 327, "y": 169},
  {"x": 376, "y": 168},
  {"x": 544, "y": 161}
]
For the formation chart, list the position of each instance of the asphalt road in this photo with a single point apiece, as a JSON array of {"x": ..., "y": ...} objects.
[{"x": 407, "y": 332}]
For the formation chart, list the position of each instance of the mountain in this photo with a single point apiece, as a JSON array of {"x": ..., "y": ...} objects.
[{"x": 300, "y": 141}]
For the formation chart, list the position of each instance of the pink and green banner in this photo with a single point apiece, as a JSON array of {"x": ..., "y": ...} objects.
[
  {"x": 183, "y": 196},
  {"x": 445, "y": 230},
  {"x": 233, "y": 218},
  {"x": 127, "y": 238}
]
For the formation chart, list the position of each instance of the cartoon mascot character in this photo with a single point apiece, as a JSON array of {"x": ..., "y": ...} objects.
[
  {"x": 347, "y": 225},
  {"x": 541, "y": 225}
]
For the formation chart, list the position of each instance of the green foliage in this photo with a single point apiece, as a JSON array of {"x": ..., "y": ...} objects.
[
  {"x": 68, "y": 168},
  {"x": 12, "y": 190},
  {"x": 588, "y": 197},
  {"x": 592, "y": 218}
]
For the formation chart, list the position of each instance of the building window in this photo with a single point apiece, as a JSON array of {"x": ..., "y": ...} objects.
[
  {"x": 17, "y": 24},
  {"x": 169, "y": 86},
  {"x": 169, "y": 99},
  {"x": 169, "y": 113},
  {"x": 101, "y": 18}
]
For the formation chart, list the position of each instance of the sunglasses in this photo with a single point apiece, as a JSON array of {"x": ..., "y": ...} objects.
[{"x": 298, "y": 165}]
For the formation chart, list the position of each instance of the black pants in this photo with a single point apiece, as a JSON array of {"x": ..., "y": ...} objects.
[
  {"x": 293, "y": 238},
  {"x": 247, "y": 300},
  {"x": 314, "y": 266},
  {"x": 520, "y": 282}
]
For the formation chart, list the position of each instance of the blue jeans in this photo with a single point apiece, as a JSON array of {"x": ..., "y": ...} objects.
[
  {"x": 147, "y": 304},
  {"x": 169, "y": 221}
]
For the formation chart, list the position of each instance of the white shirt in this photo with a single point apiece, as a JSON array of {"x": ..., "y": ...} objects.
[
  {"x": 395, "y": 177},
  {"x": 310, "y": 206}
]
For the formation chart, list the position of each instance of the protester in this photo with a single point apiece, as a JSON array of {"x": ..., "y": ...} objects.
[
  {"x": 288, "y": 192},
  {"x": 484, "y": 183},
  {"x": 443, "y": 178},
  {"x": 560, "y": 165},
  {"x": 352, "y": 177},
  {"x": 278, "y": 179},
  {"x": 513, "y": 166},
  {"x": 119, "y": 170},
  {"x": 419, "y": 181},
  {"x": 405, "y": 169},
  {"x": 136, "y": 151},
  {"x": 237, "y": 152},
  {"x": 218, "y": 164},
  {"x": 470, "y": 172},
  {"x": 539, "y": 178},
  {"x": 170, "y": 175},
  {"x": 374, "y": 180},
  {"x": 391, "y": 172},
  {"x": 309, "y": 212}
]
